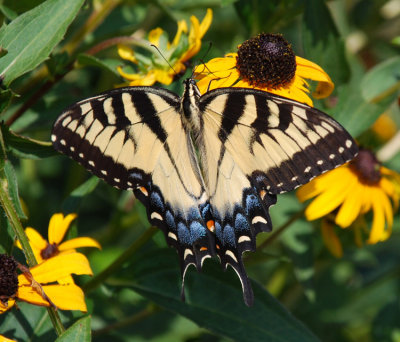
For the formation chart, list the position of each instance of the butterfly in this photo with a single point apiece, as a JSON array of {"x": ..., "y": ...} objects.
[{"x": 206, "y": 167}]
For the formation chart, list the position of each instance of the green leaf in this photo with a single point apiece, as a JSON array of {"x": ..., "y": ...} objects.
[
  {"x": 381, "y": 81},
  {"x": 13, "y": 188},
  {"x": 352, "y": 110},
  {"x": 25, "y": 147},
  {"x": 27, "y": 323},
  {"x": 214, "y": 300},
  {"x": 321, "y": 41},
  {"x": 31, "y": 37},
  {"x": 5, "y": 99},
  {"x": 8, "y": 12},
  {"x": 79, "y": 331},
  {"x": 106, "y": 64},
  {"x": 72, "y": 203}
]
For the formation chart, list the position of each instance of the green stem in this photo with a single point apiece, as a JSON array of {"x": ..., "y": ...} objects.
[
  {"x": 97, "y": 280},
  {"x": 272, "y": 237},
  {"x": 129, "y": 321}
]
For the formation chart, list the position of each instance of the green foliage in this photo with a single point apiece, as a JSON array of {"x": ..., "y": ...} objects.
[
  {"x": 54, "y": 53},
  {"x": 39, "y": 31}
]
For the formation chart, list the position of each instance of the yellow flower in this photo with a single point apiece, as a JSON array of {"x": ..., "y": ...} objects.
[
  {"x": 265, "y": 62},
  {"x": 157, "y": 69},
  {"x": 350, "y": 191},
  {"x": 39, "y": 284},
  {"x": 5, "y": 339},
  {"x": 58, "y": 227}
]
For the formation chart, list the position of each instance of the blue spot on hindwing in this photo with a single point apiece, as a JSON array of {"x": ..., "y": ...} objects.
[
  {"x": 193, "y": 214},
  {"x": 218, "y": 231},
  {"x": 170, "y": 221},
  {"x": 252, "y": 203},
  {"x": 156, "y": 201},
  {"x": 184, "y": 234},
  {"x": 197, "y": 231},
  {"x": 229, "y": 236},
  {"x": 241, "y": 223}
]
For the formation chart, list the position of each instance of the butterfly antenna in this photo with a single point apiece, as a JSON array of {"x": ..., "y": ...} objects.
[{"x": 164, "y": 58}]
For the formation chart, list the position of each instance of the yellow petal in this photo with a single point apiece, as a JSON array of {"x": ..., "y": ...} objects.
[
  {"x": 36, "y": 241},
  {"x": 154, "y": 36},
  {"x": 182, "y": 28},
  {"x": 5, "y": 339},
  {"x": 127, "y": 53},
  {"x": 330, "y": 239},
  {"x": 79, "y": 242},
  {"x": 216, "y": 65},
  {"x": 310, "y": 70},
  {"x": 163, "y": 76},
  {"x": 58, "y": 226},
  {"x": 206, "y": 22},
  {"x": 378, "y": 221},
  {"x": 65, "y": 297},
  {"x": 225, "y": 78},
  {"x": 58, "y": 267},
  {"x": 4, "y": 308},
  {"x": 326, "y": 202},
  {"x": 296, "y": 91},
  {"x": 351, "y": 206},
  {"x": 324, "y": 182}
]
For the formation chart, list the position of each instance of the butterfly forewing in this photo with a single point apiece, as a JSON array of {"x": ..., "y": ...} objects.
[{"x": 287, "y": 143}]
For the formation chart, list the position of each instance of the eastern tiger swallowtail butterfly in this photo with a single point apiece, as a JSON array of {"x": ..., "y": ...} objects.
[{"x": 207, "y": 167}]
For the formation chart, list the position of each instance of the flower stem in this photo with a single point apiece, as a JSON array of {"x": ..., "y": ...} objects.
[
  {"x": 129, "y": 321},
  {"x": 97, "y": 280}
]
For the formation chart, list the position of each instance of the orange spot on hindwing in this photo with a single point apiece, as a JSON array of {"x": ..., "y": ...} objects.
[{"x": 211, "y": 226}]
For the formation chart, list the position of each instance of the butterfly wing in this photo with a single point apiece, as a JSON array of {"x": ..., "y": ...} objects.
[
  {"x": 133, "y": 138},
  {"x": 257, "y": 145}
]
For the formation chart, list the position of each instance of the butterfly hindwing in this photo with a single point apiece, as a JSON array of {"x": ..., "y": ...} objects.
[{"x": 257, "y": 145}]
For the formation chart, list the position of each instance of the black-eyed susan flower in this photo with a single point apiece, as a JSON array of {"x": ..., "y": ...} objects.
[
  {"x": 58, "y": 227},
  {"x": 40, "y": 285},
  {"x": 344, "y": 195},
  {"x": 265, "y": 62},
  {"x": 156, "y": 67}
]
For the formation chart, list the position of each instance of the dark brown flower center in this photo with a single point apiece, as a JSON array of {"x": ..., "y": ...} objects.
[
  {"x": 8, "y": 277},
  {"x": 50, "y": 251},
  {"x": 367, "y": 167},
  {"x": 266, "y": 61}
]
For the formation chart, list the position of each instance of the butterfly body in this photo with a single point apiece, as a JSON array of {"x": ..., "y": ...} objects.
[{"x": 207, "y": 167}]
